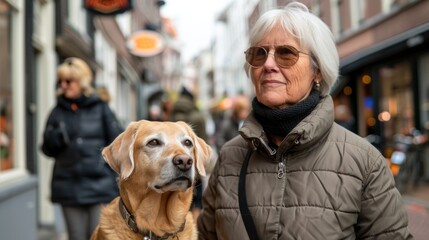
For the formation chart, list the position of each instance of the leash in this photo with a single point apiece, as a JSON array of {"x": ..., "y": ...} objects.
[
  {"x": 242, "y": 200},
  {"x": 147, "y": 235}
]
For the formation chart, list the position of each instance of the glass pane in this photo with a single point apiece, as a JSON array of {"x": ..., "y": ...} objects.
[
  {"x": 424, "y": 92},
  {"x": 396, "y": 105},
  {"x": 6, "y": 133}
]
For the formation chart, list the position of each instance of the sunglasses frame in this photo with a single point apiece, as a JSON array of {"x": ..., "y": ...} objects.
[
  {"x": 292, "y": 49},
  {"x": 67, "y": 81}
]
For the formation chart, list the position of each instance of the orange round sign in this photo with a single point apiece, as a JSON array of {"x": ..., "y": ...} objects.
[{"x": 145, "y": 43}]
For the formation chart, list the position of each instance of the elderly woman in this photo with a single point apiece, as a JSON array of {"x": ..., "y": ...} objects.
[
  {"x": 294, "y": 173},
  {"x": 77, "y": 129}
]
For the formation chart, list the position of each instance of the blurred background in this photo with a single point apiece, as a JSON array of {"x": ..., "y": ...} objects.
[{"x": 144, "y": 51}]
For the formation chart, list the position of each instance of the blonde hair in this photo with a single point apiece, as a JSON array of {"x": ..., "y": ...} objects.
[{"x": 77, "y": 70}]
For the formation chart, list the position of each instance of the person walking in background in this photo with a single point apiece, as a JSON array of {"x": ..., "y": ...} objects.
[
  {"x": 294, "y": 173},
  {"x": 77, "y": 129},
  {"x": 185, "y": 109},
  {"x": 233, "y": 121}
]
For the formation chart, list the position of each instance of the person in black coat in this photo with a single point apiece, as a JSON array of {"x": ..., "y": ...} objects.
[
  {"x": 185, "y": 109},
  {"x": 233, "y": 121},
  {"x": 77, "y": 129}
]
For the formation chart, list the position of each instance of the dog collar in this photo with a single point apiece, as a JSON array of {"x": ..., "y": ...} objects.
[
  {"x": 148, "y": 235},
  {"x": 128, "y": 217}
]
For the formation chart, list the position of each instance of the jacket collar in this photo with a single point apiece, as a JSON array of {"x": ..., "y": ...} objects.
[
  {"x": 81, "y": 102},
  {"x": 310, "y": 130}
]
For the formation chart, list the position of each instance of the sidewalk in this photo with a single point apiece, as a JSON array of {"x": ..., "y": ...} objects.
[
  {"x": 50, "y": 234},
  {"x": 417, "y": 204}
]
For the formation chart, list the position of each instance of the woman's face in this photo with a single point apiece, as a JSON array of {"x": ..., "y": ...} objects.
[
  {"x": 70, "y": 87},
  {"x": 279, "y": 87}
]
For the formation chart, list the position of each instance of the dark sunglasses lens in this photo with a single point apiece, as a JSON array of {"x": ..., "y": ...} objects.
[
  {"x": 67, "y": 81},
  {"x": 286, "y": 56},
  {"x": 256, "y": 56}
]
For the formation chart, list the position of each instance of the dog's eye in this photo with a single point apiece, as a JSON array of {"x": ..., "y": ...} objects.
[
  {"x": 188, "y": 143},
  {"x": 154, "y": 142}
]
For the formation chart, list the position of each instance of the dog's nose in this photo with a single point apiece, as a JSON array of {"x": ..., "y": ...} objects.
[{"x": 183, "y": 162}]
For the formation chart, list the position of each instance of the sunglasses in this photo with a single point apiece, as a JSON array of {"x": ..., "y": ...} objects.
[
  {"x": 285, "y": 56},
  {"x": 67, "y": 81}
]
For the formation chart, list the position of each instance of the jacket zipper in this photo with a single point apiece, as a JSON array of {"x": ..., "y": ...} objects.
[{"x": 281, "y": 169}]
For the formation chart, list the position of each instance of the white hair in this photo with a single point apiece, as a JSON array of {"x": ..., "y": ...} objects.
[{"x": 311, "y": 33}]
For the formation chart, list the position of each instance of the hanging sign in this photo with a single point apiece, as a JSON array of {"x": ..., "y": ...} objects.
[
  {"x": 108, "y": 7},
  {"x": 145, "y": 43}
]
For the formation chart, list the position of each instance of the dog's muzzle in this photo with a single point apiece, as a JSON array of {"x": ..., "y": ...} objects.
[
  {"x": 182, "y": 176},
  {"x": 183, "y": 162}
]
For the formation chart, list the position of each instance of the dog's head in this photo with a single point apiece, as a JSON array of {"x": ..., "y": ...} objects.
[{"x": 165, "y": 154}]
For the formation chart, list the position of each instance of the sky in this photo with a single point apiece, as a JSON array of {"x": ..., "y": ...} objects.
[{"x": 194, "y": 21}]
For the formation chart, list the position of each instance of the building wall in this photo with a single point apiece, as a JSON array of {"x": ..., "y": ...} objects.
[
  {"x": 375, "y": 31},
  {"x": 46, "y": 61}
]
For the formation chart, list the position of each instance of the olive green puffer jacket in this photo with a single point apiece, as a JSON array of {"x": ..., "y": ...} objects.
[{"x": 336, "y": 186}]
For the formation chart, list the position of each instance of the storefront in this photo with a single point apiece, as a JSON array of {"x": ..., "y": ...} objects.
[
  {"x": 387, "y": 89},
  {"x": 18, "y": 184}
]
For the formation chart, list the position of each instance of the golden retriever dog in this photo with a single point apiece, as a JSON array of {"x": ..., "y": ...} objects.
[{"x": 157, "y": 163}]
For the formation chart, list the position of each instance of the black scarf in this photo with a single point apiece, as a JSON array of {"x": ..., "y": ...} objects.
[{"x": 279, "y": 122}]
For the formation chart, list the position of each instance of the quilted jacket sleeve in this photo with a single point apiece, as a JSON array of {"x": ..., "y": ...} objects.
[
  {"x": 383, "y": 215},
  {"x": 55, "y": 136}
]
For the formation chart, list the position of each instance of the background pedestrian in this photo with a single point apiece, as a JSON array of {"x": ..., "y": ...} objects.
[
  {"x": 185, "y": 109},
  {"x": 232, "y": 121},
  {"x": 77, "y": 129}
]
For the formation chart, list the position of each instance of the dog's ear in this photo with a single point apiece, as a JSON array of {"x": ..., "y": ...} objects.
[
  {"x": 202, "y": 151},
  {"x": 119, "y": 154}
]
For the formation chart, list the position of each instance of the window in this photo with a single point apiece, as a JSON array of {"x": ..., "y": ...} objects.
[
  {"x": 396, "y": 102},
  {"x": 77, "y": 16},
  {"x": 367, "y": 107},
  {"x": 424, "y": 92},
  {"x": 339, "y": 17},
  {"x": 6, "y": 133},
  {"x": 124, "y": 23}
]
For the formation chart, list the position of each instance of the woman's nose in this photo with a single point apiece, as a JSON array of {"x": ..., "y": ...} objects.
[{"x": 271, "y": 60}]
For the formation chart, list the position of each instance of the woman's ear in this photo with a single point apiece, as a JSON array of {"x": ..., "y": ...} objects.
[{"x": 318, "y": 77}]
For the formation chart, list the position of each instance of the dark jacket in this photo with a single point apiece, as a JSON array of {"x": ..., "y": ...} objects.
[
  {"x": 75, "y": 135},
  {"x": 228, "y": 130},
  {"x": 185, "y": 110},
  {"x": 335, "y": 186}
]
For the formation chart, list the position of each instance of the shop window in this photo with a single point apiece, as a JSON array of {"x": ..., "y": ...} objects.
[
  {"x": 6, "y": 133},
  {"x": 342, "y": 109},
  {"x": 396, "y": 100},
  {"x": 366, "y": 107},
  {"x": 77, "y": 16},
  {"x": 424, "y": 92}
]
